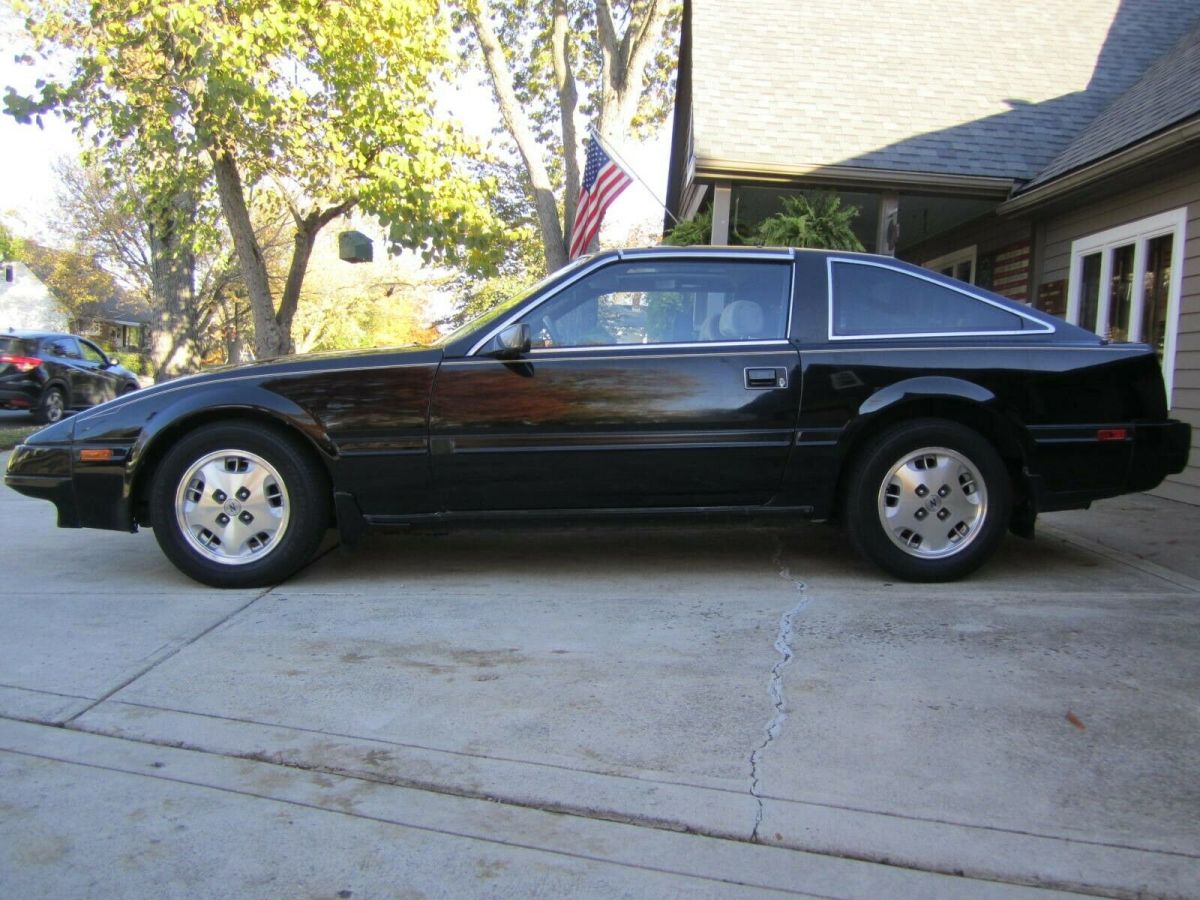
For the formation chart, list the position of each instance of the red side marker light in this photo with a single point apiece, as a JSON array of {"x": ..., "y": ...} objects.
[
  {"x": 95, "y": 455},
  {"x": 1112, "y": 434}
]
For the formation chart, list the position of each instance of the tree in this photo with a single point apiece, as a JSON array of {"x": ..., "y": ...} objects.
[
  {"x": 186, "y": 284},
  {"x": 11, "y": 246},
  {"x": 553, "y": 63},
  {"x": 78, "y": 283},
  {"x": 331, "y": 102}
]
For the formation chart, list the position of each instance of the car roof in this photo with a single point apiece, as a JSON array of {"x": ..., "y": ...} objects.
[{"x": 35, "y": 335}]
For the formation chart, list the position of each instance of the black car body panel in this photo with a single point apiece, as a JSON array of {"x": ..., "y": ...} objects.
[{"x": 698, "y": 421}]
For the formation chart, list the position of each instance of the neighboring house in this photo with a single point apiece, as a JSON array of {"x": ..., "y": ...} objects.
[
  {"x": 1045, "y": 149},
  {"x": 26, "y": 304},
  {"x": 119, "y": 323}
]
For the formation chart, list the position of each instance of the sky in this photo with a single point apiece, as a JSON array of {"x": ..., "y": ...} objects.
[{"x": 27, "y": 154}]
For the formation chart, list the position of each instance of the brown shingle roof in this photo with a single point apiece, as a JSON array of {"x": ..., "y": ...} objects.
[
  {"x": 1168, "y": 93},
  {"x": 963, "y": 87}
]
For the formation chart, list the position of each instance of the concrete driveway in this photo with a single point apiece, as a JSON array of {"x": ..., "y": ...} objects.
[{"x": 643, "y": 712}]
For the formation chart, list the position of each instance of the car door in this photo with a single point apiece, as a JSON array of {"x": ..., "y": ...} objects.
[
  {"x": 103, "y": 384},
  {"x": 67, "y": 360},
  {"x": 652, "y": 382}
]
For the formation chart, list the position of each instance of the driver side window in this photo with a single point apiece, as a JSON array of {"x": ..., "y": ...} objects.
[
  {"x": 667, "y": 302},
  {"x": 92, "y": 354}
]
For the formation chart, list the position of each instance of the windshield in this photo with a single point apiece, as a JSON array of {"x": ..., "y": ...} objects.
[{"x": 496, "y": 312}]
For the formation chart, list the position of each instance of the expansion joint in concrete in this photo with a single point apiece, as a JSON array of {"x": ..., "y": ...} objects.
[{"x": 783, "y": 646}]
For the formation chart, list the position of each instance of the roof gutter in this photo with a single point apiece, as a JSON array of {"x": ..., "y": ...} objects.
[
  {"x": 740, "y": 170},
  {"x": 1145, "y": 151}
]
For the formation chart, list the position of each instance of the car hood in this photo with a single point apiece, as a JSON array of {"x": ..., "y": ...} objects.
[{"x": 331, "y": 361}]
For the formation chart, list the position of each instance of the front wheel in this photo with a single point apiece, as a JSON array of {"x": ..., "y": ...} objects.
[
  {"x": 236, "y": 505},
  {"x": 929, "y": 502}
]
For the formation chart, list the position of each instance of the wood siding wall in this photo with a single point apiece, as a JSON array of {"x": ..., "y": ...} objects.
[{"x": 1052, "y": 254}]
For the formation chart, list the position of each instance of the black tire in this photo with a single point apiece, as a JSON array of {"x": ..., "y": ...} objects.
[
  {"x": 52, "y": 408},
  {"x": 928, "y": 501},
  {"x": 269, "y": 477}
]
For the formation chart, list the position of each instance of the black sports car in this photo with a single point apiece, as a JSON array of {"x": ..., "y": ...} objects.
[
  {"x": 51, "y": 374},
  {"x": 927, "y": 415}
]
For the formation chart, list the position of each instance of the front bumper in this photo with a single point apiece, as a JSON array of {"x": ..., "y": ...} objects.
[
  {"x": 86, "y": 495},
  {"x": 44, "y": 472}
]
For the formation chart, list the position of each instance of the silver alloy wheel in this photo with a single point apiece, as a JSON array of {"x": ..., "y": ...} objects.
[
  {"x": 232, "y": 507},
  {"x": 933, "y": 503},
  {"x": 54, "y": 406}
]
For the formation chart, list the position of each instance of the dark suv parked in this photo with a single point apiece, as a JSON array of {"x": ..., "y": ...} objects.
[{"x": 50, "y": 374}]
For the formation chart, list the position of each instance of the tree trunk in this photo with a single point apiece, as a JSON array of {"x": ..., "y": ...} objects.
[
  {"x": 568, "y": 104},
  {"x": 518, "y": 126},
  {"x": 307, "y": 230},
  {"x": 269, "y": 338},
  {"x": 174, "y": 342},
  {"x": 623, "y": 65}
]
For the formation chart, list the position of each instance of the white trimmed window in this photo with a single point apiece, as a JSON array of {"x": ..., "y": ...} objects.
[
  {"x": 1125, "y": 284},
  {"x": 960, "y": 264}
]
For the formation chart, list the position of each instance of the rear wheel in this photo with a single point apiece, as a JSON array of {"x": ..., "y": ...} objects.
[
  {"x": 237, "y": 505},
  {"x": 929, "y": 502},
  {"x": 52, "y": 408}
]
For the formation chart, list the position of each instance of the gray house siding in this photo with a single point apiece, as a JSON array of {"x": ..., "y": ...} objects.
[{"x": 1179, "y": 189}]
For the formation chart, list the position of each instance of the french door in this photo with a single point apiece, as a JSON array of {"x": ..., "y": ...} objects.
[{"x": 1125, "y": 284}]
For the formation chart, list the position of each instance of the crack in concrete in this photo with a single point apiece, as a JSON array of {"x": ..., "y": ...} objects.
[{"x": 783, "y": 646}]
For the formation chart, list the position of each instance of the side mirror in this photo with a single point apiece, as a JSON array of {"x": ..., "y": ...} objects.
[{"x": 512, "y": 342}]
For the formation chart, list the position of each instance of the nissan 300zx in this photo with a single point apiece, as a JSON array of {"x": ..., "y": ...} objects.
[{"x": 926, "y": 415}]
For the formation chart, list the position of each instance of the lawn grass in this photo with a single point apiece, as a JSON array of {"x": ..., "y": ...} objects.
[{"x": 11, "y": 435}]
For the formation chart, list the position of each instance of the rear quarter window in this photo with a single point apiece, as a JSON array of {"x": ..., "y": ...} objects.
[
  {"x": 870, "y": 300},
  {"x": 17, "y": 346}
]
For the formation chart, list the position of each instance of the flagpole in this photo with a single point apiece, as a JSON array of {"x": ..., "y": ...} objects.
[{"x": 595, "y": 135}]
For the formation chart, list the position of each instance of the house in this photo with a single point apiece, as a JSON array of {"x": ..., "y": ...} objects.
[
  {"x": 120, "y": 322},
  {"x": 26, "y": 304},
  {"x": 1047, "y": 150}
]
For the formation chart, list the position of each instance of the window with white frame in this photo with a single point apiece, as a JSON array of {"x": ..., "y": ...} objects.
[
  {"x": 1125, "y": 284},
  {"x": 960, "y": 264}
]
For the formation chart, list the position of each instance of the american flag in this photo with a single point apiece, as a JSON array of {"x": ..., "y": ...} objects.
[{"x": 603, "y": 181}]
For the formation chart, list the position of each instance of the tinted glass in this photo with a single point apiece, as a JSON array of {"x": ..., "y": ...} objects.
[
  {"x": 17, "y": 347},
  {"x": 63, "y": 347},
  {"x": 1157, "y": 290},
  {"x": 1089, "y": 292},
  {"x": 92, "y": 354},
  {"x": 874, "y": 300},
  {"x": 668, "y": 301}
]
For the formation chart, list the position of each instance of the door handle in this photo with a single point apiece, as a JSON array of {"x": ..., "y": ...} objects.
[{"x": 759, "y": 379}]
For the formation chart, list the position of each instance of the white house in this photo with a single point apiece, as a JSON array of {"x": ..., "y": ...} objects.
[{"x": 26, "y": 304}]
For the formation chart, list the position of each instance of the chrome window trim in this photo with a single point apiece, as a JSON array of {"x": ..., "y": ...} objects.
[
  {"x": 622, "y": 351},
  {"x": 974, "y": 348},
  {"x": 1044, "y": 327},
  {"x": 512, "y": 317},
  {"x": 667, "y": 345},
  {"x": 778, "y": 256},
  {"x": 791, "y": 298}
]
